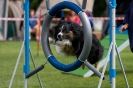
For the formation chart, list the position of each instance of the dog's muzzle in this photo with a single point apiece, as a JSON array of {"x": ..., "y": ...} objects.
[{"x": 60, "y": 36}]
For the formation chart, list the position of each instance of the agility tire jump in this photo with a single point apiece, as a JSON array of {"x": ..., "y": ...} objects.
[{"x": 87, "y": 36}]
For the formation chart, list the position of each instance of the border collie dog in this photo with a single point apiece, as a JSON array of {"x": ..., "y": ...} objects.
[{"x": 69, "y": 41}]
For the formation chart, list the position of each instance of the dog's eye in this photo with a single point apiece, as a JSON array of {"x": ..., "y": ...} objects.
[
  {"x": 66, "y": 31},
  {"x": 57, "y": 30},
  {"x": 60, "y": 28}
]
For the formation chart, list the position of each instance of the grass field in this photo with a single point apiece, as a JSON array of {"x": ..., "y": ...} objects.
[{"x": 51, "y": 77}]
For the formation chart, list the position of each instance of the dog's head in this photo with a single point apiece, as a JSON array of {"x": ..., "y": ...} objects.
[
  {"x": 63, "y": 31},
  {"x": 68, "y": 35},
  {"x": 63, "y": 36}
]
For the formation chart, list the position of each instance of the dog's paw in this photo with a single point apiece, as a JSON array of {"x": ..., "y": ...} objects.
[
  {"x": 63, "y": 42},
  {"x": 67, "y": 42},
  {"x": 83, "y": 66},
  {"x": 58, "y": 49}
]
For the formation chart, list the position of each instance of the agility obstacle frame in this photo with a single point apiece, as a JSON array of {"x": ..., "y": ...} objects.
[{"x": 45, "y": 44}]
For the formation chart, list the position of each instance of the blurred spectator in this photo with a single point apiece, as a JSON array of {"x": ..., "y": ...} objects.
[
  {"x": 73, "y": 17},
  {"x": 34, "y": 24},
  {"x": 128, "y": 24}
]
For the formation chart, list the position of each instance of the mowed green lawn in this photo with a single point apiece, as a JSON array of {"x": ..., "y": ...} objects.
[{"x": 51, "y": 77}]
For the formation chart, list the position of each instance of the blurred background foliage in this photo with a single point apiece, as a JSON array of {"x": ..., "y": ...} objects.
[
  {"x": 99, "y": 8},
  {"x": 35, "y": 3}
]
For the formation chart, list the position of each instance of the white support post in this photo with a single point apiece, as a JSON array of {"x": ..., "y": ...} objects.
[{"x": 112, "y": 70}]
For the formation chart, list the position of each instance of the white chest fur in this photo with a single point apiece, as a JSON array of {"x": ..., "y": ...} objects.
[{"x": 59, "y": 43}]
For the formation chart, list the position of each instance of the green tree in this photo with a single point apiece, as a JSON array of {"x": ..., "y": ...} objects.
[
  {"x": 99, "y": 7},
  {"x": 35, "y": 3}
]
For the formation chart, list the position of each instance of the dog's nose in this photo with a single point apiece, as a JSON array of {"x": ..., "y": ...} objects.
[{"x": 58, "y": 36}]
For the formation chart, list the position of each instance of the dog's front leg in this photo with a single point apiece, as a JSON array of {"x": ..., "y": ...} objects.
[{"x": 96, "y": 65}]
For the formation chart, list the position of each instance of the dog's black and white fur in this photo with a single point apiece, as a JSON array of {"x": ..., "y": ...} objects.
[{"x": 69, "y": 40}]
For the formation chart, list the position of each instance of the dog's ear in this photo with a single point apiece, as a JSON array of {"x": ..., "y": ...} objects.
[
  {"x": 70, "y": 24},
  {"x": 62, "y": 20},
  {"x": 52, "y": 32},
  {"x": 69, "y": 21}
]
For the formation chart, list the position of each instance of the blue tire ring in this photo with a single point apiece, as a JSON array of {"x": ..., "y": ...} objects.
[{"x": 87, "y": 36}]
